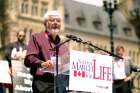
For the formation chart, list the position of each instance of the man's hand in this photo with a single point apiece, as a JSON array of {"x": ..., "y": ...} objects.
[
  {"x": 12, "y": 72},
  {"x": 127, "y": 78},
  {"x": 47, "y": 64}
]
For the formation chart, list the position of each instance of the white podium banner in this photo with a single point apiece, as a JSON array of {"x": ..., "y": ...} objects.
[
  {"x": 90, "y": 72},
  {"x": 5, "y": 72}
]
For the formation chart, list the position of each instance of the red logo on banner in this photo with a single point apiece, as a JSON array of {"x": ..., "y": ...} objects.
[{"x": 79, "y": 73}]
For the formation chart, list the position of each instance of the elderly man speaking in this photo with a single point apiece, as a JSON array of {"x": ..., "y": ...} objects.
[{"x": 39, "y": 55}]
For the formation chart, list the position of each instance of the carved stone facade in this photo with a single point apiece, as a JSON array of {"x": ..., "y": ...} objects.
[
  {"x": 95, "y": 29},
  {"x": 24, "y": 15}
]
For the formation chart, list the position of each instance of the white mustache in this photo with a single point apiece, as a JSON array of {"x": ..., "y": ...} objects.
[{"x": 55, "y": 30}]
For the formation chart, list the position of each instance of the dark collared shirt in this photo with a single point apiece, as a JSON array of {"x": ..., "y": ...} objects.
[{"x": 39, "y": 50}]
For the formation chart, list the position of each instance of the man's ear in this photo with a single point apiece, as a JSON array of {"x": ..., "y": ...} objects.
[{"x": 45, "y": 22}]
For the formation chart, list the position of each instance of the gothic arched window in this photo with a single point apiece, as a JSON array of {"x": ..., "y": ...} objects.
[{"x": 25, "y": 7}]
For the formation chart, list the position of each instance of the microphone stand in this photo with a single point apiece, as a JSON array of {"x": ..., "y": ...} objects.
[
  {"x": 110, "y": 53},
  {"x": 56, "y": 77},
  {"x": 56, "y": 49},
  {"x": 79, "y": 40}
]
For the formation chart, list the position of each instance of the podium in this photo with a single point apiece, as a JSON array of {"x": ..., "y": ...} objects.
[
  {"x": 85, "y": 72},
  {"x": 82, "y": 71}
]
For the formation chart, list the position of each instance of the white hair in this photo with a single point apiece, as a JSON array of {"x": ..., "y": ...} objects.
[{"x": 51, "y": 13}]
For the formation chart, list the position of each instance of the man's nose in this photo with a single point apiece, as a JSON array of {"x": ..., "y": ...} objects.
[{"x": 56, "y": 21}]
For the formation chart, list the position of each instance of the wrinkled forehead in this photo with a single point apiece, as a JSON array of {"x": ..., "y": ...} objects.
[{"x": 21, "y": 33}]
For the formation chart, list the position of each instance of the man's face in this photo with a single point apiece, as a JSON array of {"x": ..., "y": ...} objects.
[
  {"x": 53, "y": 24},
  {"x": 21, "y": 36},
  {"x": 120, "y": 51}
]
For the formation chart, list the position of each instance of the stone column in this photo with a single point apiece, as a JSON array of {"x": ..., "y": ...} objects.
[{"x": 10, "y": 20}]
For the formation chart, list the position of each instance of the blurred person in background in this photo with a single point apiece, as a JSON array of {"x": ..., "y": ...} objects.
[
  {"x": 123, "y": 72},
  {"x": 15, "y": 51}
]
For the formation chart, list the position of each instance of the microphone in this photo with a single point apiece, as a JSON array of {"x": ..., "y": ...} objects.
[
  {"x": 70, "y": 36},
  {"x": 74, "y": 38},
  {"x": 79, "y": 40}
]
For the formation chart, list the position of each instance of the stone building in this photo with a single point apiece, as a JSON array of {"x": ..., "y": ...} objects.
[
  {"x": 90, "y": 23},
  {"x": 24, "y": 15},
  {"x": 87, "y": 21}
]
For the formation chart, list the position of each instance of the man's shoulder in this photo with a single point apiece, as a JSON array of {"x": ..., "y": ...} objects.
[
  {"x": 38, "y": 34},
  {"x": 12, "y": 43},
  {"x": 127, "y": 58},
  {"x": 39, "y": 37}
]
